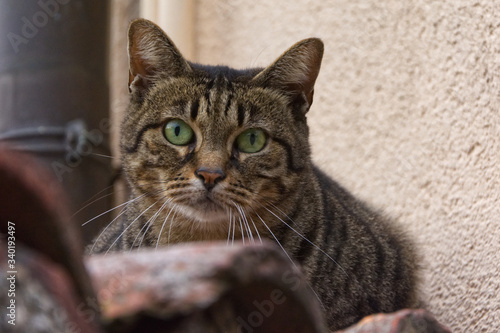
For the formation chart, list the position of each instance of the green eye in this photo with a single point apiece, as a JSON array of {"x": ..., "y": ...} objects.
[
  {"x": 251, "y": 141},
  {"x": 177, "y": 132}
]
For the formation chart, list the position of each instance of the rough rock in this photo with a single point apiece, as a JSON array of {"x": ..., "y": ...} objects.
[{"x": 209, "y": 287}]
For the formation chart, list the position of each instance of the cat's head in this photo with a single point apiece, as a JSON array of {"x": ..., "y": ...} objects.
[{"x": 212, "y": 141}]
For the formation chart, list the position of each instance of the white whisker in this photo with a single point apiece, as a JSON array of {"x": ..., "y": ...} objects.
[
  {"x": 112, "y": 209},
  {"x": 245, "y": 223},
  {"x": 257, "y": 230},
  {"x": 106, "y": 228},
  {"x": 241, "y": 230},
  {"x": 87, "y": 203},
  {"x": 229, "y": 231},
  {"x": 279, "y": 210},
  {"x": 123, "y": 232},
  {"x": 305, "y": 238},
  {"x": 170, "y": 226},
  {"x": 234, "y": 229},
  {"x": 154, "y": 217},
  {"x": 144, "y": 226},
  {"x": 101, "y": 155},
  {"x": 276, "y": 239},
  {"x": 249, "y": 231},
  {"x": 291, "y": 260},
  {"x": 137, "y": 236},
  {"x": 163, "y": 224}
]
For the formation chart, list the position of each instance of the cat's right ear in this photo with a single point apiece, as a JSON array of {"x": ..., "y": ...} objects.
[
  {"x": 295, "y": 72},
  {"x": 152, "y": 56}
]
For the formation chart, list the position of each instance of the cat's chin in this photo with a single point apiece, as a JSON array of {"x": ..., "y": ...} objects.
[{"x": 204, "y": 212}]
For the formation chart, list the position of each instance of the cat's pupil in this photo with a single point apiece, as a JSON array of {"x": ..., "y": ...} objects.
[
  {"x": 177, "y": 130},
  {"x": 252, "y": 139}
]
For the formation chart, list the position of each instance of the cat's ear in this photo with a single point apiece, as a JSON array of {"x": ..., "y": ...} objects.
[
  {"x": 152, "y": 56},
  {"x": 295, "y": 72}
]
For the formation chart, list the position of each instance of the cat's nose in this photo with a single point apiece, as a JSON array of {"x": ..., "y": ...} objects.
[{"x": 210, "y": 177}]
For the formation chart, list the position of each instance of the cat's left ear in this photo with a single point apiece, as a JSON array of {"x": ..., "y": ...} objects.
[
  {"x": 152, "y": 56},
  {"x": 295, "y": 72}
]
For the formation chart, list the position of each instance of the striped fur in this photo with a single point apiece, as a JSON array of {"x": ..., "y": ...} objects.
[{"x": 356, "y": 262}]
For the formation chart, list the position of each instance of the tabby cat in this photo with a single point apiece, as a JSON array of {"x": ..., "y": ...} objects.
[{"x": 214, "y": 153}]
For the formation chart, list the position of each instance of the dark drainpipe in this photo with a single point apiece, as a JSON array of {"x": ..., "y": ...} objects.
[{"x": 54, "y": 94}]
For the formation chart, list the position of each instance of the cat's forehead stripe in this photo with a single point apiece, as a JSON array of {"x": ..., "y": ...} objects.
[
  {"x": 195, "y": 106},
  {"x": 229, "y": 99},
  {"x": 217, "y": 97},
  {"x": 208, "y": 93},
  {"x": 241, "y": 115}
]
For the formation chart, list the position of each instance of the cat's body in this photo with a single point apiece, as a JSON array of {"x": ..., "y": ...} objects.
[{"x": 212, "y": 153}]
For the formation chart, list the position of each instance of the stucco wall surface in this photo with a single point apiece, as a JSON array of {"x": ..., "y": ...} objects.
[{"x": 406, "y": 116}]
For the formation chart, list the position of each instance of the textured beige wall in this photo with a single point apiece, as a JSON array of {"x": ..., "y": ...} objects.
[{"x": 405, "y": 115}]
